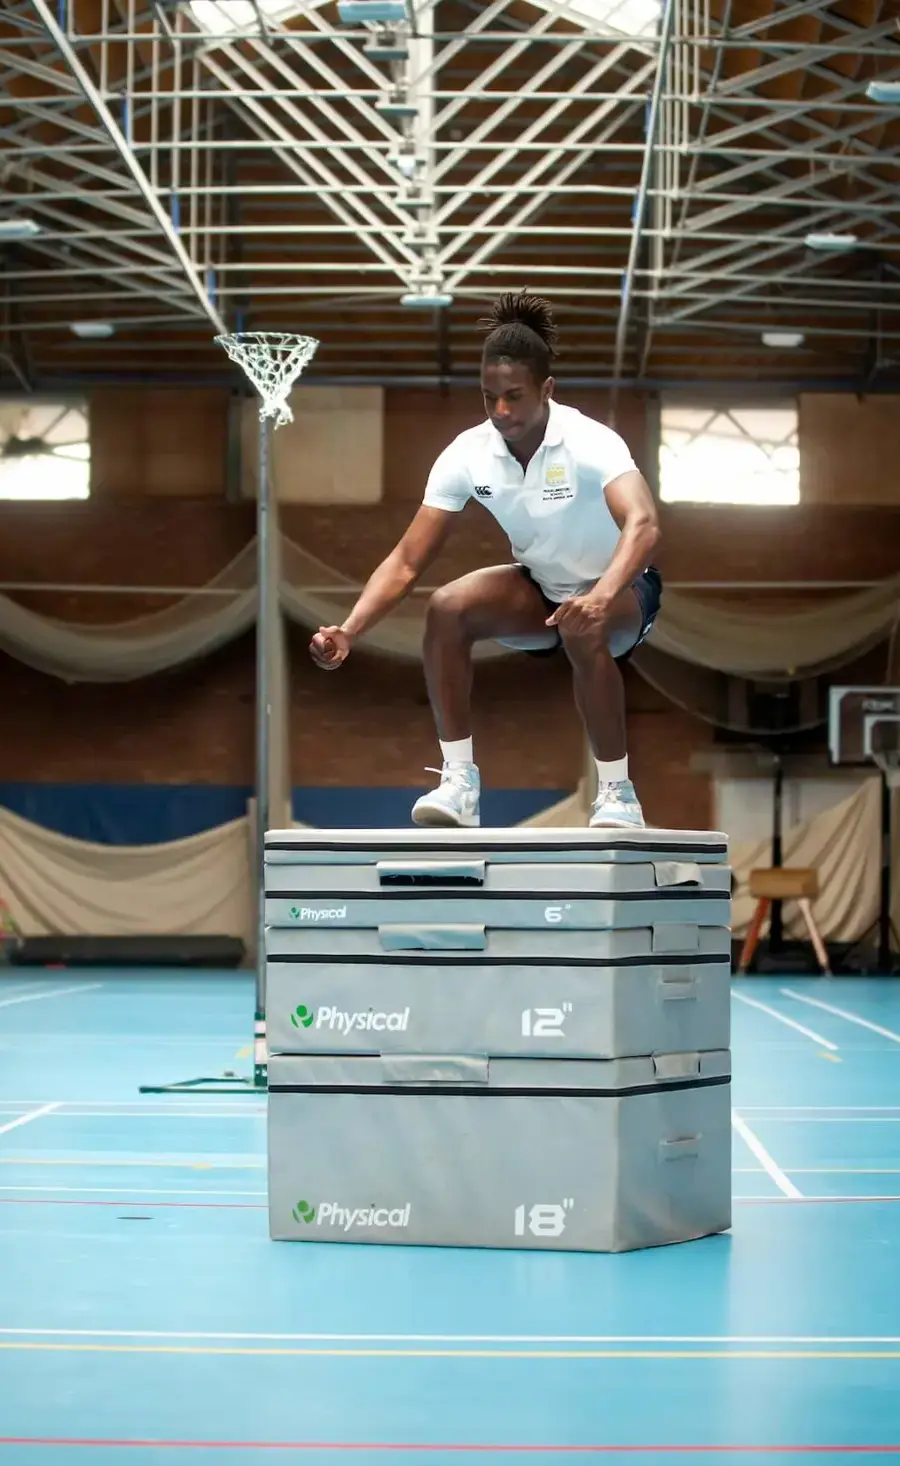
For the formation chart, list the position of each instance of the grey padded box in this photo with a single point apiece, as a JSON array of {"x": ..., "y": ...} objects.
[
  {"x": 412, "y": 942},
  {"x": 515, "y": 1153},
  {"x": 540, "y": 1010},
  {"x": 455, "y": 875},
  {"x": 531, "y": 844},
  {"x": 526, "y": 881}
]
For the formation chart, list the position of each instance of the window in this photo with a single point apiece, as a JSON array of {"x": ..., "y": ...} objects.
[
  {"x": 44, "y": 450},
  {"x": 631, "y": 17},
  {"x": 222, "y": 16},
  {"x": 729, "y": 455}
]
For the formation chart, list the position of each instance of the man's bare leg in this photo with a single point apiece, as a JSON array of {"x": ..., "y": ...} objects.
[
  {"x": 600, "y": 696},
  {"x": 501, "y": 604},
  {"x": 597, "y": 680},
  {"x": 488, "y": 605}
]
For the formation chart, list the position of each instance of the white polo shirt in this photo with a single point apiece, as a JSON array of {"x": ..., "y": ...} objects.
[{"x": 555, "y": 511}]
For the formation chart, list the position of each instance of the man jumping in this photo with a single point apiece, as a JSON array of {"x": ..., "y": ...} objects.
[{"x": 582, "y": 526}]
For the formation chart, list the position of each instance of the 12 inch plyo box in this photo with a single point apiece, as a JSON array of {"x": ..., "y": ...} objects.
[{"x": 526, "y": 1008}]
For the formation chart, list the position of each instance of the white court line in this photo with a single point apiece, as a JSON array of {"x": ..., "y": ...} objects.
[
  {"x": 457, "y": 1338},
  {"x": 837, "y": 1198},
  {"x": 773, "y": 1013},
  {"x": 133, "y": 1190},
  {"x": 754, "y": 1144},
  {"x": 27, "y": 1119},
  {"x": 141, "y": 1162},
  {"x": 735, "y": 1171},
  {"x": 106, "y": 1110},
  {"x": 85, "y": 987},
  {"x": 842, "y": 1013},
  {"x": 75, "y": 1113}
]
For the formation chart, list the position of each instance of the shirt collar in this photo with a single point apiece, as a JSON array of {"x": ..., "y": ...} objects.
[{"x": 553, "y": 434}]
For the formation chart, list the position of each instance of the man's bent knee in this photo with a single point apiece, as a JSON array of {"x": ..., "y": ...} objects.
[
  {"x": 449, "y": 608},
  {"x": 584, "y": 647}
]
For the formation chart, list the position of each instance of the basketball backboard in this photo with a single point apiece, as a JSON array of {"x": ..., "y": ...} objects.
[{"x": 861, "y": 722}]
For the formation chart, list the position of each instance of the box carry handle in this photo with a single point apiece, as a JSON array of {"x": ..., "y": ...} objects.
[
  {"x": 686, "y": 1148},
  {"x": 675, "y": 937},
  {"x": 436, "y": 1070},
  {"x": 677, "y": 873},
  {"x": 677, "y": 986},
  {"x": 415, "y": 937},
  {"x": 430, "y": 872},
  {"x": 676, "y": 1066}
]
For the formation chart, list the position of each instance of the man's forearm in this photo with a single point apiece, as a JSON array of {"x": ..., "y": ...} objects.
[
  {"x": 639, "y": 539},
  {"x": 385, "y": 588}
]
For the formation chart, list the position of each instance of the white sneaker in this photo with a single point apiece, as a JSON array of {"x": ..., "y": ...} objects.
[
  {"x": 617, "y": 807},
  {"x": 456, "y": 800}
]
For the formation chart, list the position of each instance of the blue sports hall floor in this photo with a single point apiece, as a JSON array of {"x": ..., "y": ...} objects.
[{"x": 145, "y": 1317}]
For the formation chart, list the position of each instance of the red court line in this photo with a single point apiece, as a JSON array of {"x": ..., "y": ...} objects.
[
  {"x": 445, "y": 1448},
  {"x": 130, "y": 1203}
]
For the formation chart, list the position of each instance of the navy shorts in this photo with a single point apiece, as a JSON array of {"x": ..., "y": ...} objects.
[{"x": 647, "y": 588}]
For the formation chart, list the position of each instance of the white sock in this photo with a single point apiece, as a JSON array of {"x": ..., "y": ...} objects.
[
  {"x": 459, "y": 752},
  {"x": 612, "y": 773}
]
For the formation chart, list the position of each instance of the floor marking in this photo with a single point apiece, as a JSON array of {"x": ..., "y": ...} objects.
[
  {"x": 448, "y": 1447},
  {"x": 147, "y": 1190},
  {"x": 773, "y": 1013},
  {"x": 91, "y": 1162},
  {"x": 754, "y": 1144},
  {"x": 27, "y": 1119},
  {"x": 842, "y": 1013},
  {"x": 175, "y": 1106},
  {"x": 803, "y": 1200},
  {"x": 55, "y": 1200},
  {"x": 86, "y": 987},
  {"x": 435, "y": 1353},
  {"x": 118, "y": 1040},
  {"x": 833, "y": 1119},
  {"x": 369, "y": 1338},
  {"x": 151, "y": 1110},
  {"x": 186, "y": 1205}
]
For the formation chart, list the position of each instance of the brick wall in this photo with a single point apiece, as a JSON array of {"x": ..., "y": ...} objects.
[{"x": 370, "y": 724}]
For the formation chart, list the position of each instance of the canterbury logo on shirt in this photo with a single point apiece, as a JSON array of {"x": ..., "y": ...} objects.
[{"x": 483, "y": 491}]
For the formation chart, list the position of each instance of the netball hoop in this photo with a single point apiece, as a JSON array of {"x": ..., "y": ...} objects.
[{"x": 272, "y": 362}]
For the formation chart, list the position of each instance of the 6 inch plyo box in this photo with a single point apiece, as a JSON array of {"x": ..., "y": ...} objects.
[
  {"x": 518, "y": 879},
  {"x": 602, "y": 1156}
]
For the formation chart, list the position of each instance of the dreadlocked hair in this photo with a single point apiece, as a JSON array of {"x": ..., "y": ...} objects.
[{"x": 521, "y": 328}]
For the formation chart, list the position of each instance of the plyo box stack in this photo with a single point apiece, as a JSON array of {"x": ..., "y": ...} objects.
[{"x": 498, "y": 1038}]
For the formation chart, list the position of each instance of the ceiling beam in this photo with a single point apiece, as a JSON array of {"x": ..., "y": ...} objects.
[{"x": 166, "y": 228}]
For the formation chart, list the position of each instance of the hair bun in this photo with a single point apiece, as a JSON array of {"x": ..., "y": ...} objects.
[{"x": 524, "y": 309}]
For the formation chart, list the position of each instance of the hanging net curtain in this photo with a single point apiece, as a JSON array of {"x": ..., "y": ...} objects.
[{"x": 717, "y": 639}]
